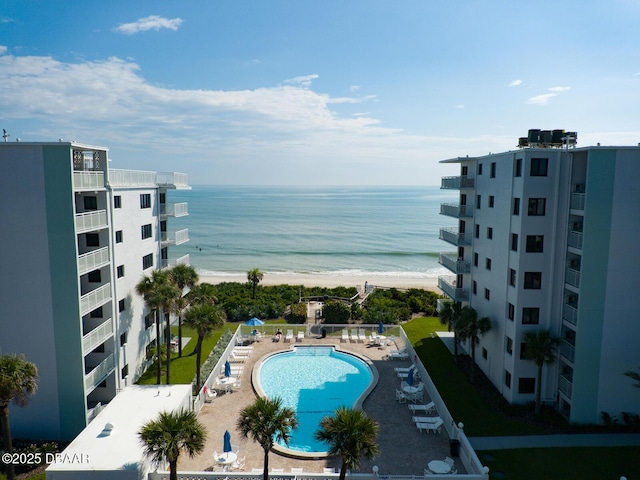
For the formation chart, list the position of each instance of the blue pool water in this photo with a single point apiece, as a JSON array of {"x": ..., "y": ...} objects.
[{"x": 314, "y": 381}]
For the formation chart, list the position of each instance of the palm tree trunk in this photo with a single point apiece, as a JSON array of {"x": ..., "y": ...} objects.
[
  {"x": 455, "y": 345},
  {"x": 198, "y": 358},
  {"x": 168, "y": 342},
  {"x": 173, "y": 469},
  {"x": 158, "y": 350},
  {"x": 179, "y": 335},
  {"x": 265, "y": 473},
  {"x": 343, "y": 471},
  {"x": 6, "y": 438},
  {"x": 538, "y": 389},
  {"x": 473, "y": 360}
]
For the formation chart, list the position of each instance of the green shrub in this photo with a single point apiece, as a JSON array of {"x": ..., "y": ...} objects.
[{"x": 336, "y": 312}]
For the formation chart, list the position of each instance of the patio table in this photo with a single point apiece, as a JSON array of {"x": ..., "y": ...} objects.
[{"x": 439, "y": 466}]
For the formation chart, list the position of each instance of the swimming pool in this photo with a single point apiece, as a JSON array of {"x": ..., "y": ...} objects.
[{"x": 314, "y": 381}]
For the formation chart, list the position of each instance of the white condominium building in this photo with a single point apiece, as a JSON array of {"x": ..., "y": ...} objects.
[
  {"x": 76, "y": 238},
  {"x": 547, "y": 239}
]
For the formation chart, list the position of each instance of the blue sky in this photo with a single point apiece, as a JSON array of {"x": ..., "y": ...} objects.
[{"x": 316, "y": 92}]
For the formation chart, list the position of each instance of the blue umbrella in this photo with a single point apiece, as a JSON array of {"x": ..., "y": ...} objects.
[
  {"x": 227, "y": 369},
  {"x": 380, "y": 328},
  {"x": 410, "y": 377},
  {"x": 227, "y": 441},
  {"x": 254, "y": 322}
]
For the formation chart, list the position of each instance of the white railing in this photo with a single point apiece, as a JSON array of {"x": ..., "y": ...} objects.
[
  {"x": 565, "y": 386},
  {"x": 306, "y": 476},
  {"x": 172, "y": 179},
  {"x": 92, "y": 300},
  {"x": 455, "y": 210},
  {"x": 177, "y": 238},
  {"x": 88, "y": 180},
  {"x": 89, "y": 221},
  {"x": 90, "y": 261},
  {"x": 172, "y": 262},
  {"x": 98, "y": 374},
  {"x": 457, "y": 182},
  {"x": 567, "y": 350},
  {"x": 575, "y": 239},
  {"x": 577, "y": 201},
  {"x": 570, "y": 314},
  {"x": 454, "y": 264},
  {"x": 448, "y": 286},
  {"x": 454, "y": 237},
  {"x": 174, "y": 209},
  {"x": 97, "y": 336},
  {"x": 572, "y": 277},
  {"x": 131, "y": 178}
]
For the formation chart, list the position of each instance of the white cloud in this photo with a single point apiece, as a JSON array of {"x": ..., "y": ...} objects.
[
  {"x": 515, "y": 83},
  {"x": 303, "y": 81},
  {"x": 152, "y": 22},
  {"x": 3, "y": 49},
  {"x": 541, "y": 99},
  {"x": 559, "y": 89},
  {"x": 354, "y": 88},
  {"x": 460, "y": 106}
]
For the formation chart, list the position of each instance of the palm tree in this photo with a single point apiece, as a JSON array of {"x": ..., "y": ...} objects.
[
  {"x": 254, "y": 276},
  {"x": 350, "y": 435},
  {"x": 267, "y": 421},
  {"x": 183, "y": 276},
  {"x": 172, "y": 432},
  {"x": 156, "y": 289},
  {"x": 449, "y": 316},
  {"x": 471, "y": 327},
  {"x": 204, "y": 318},
  {"x": 17, "y": 383},
  {"x": 541, "y": 348},
  {"x": 202, "y": 293},
  {"x": 635, "y": 376}
]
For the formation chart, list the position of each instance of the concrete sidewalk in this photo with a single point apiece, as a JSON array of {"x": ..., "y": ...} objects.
[{"x": 564, "y": 440}]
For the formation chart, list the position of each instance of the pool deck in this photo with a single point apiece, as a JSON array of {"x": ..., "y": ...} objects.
[{"x": 403, "y": 449}]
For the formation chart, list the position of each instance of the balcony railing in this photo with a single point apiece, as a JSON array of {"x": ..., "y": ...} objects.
[
  {"x": 174, "y": 209},
  {"x": 448, "y": 286},
  {"x": 98, "y": 374},
  {"x": 570, "y": 314},
  {"x": 572, "y": 277},
  {"x": 565, "y": 386},
  {"x": 90, "y": 261},
  {"x": 172, "y": 262},
  {"x": 97, "y": 336},
  {"x": 575, "y": 239},
  {"x": 567, "y": 350},
  {"x": 90, "y": 221},
  {"x": 131, "y": 178},
  {"x": 457, "y": 182},
  {"x": 175, "y": 238},
  {"x": 172, "y": 180},
  {"x": 456, "y": 265},
  {"x": 455, "y": 210},
  {"x": 577, "y": 201},
  {"x": 88, "y": 180},
  {"x": 95, "y": 298},
  {"x": 453, "y": 237}
]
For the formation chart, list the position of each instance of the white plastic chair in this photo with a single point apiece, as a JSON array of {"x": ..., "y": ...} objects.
[
  {"x": 345, "y": 336},
  {"x": 289, "y": 336},
  {"x": 400, "y": 396}
]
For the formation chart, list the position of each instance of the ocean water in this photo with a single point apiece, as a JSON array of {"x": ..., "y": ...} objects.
[{"x": 384, "y": 231}]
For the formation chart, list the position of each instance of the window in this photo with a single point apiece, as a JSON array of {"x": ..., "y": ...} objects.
[
  {"x": 516, "y": 206},
  {"x": 527, "y": 385},
  {"x": 489, "y": 233},
  {"x": 145, "y": 200},
  {"x": 146, "y": 231},
  {"x": 492, "y": 173},
  {"x": 518, "y": 167},
  {"x": 533, "y": 280},
  {"x": 90, "y": 203},
  {"x": 147, "y": 261},
  {"x": 121, "y": 305},
  {"x": 509, "y": 346},
  {"x": 93, "y": 239},
  {"x": 148, "y": 321},
  {"x": 523, "y": 351},
  {"x": 479, "y": 169},
  {"x": 120, "y": 271},
  {"x": 485, "y": 354},
  {"x": 539, "y": 167},
  {"x": 478, "y": 201},
  {"x": 97, "y": 313},
  {"x": 475, "y": 259},
  {"x": 477, "y": 231},
  {"x": 123, "y": 339},
  {"x": 119, "y": 236},
  {"x": 511, "y": 311},
  {"x": 117, "y": 201},
  {"x": 536, "y": 206},
  {"x": 487, "y": 264},
  {"x": 507, "y": 378},
  {"x": 530, "y": 316},
  {"x": 512, "y": 277},
  {"x": 535, "y": 243},
  {"x": 163, "y": 198},
  {"x": 124, "y": 372},
  {"x": 514, "y": 242},
  {"x": 475, "y": 287},
  {"x": 94, "y": 276},
  {"x": 487, "y": 294},
  {"x": 492, "y": 200}
]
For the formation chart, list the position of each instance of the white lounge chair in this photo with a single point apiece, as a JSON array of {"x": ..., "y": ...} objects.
[
  {"x": 404, "y": 369},
  {"x": 297, "y": 470},
  {"x": 289, "y": 336},
  {"x": 362, "y": 338},
  {"x": 233, "y": 358},
  {"x": 257, "y": 470},
  {"x": 354, "y": 335},
  {"x": 400, "y": 396},
  {"x": 277, "y": 470},
  {"x": 425, "y": 419},
  {"x": 238, "y": 464},
  {"x": 431, "y": 427},
  {"x": 345, "y": 335},
  {"x": 429, "y": 407},
  {"x": 397, "y": 355},
  {"x": 329, "y": 470},
  {"x": 209, "y": 394},
  {"x": 300, "y": 336}
]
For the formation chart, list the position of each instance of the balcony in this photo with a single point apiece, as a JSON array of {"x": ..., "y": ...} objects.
[
  {"x": 456, "y": 265},
  {"x": 452, "y": 236},
  {"x": 565, "y": 386},
  {"x": 575, "y": 239},
  {"x": 88, "y": 181},
  {"x": 131, "y": 178},
  {"x": 570, "y": 314},
  {"x": 92, "y": 300},
  {"x": 97, "y": 336},
  {"x": 174, "y": 209},
  {"x": 173, "y": 180},
  {"x": 577, "y": 201},
  {"x": 456, "y": 211},
  {"x": 93, "y": 260},
  {"x": 457, "y": 183},
  {"x": 572, "y": 277},
  {"x": 174, "y": 238},
  {"x": 99, "y": 373},
  {"x": 172, "y": 262},
  {"x": 448, "y": 286},
  {"x": 91, "y": 221},
  {"x": 567, "y": 350}
]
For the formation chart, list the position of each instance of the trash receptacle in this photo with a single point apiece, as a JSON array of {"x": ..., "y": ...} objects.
[
  {"x": 454, "y": 447},
  {"x": 324, "y": 333}
]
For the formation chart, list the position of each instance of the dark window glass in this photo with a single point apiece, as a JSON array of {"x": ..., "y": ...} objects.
[
  {"x": 514, "y": 242},
  {"x": 91, "y": 203},
  {"x": 146, "y": 231},
  {"x": 512, "y": 277},
  {"x": 533, "y": 280},
  {"x": 479, "y": 169},
  {"x": 518, "y": 167},
  {"x": 94, "y": 276},
  {"x": 539, "y": 167},
  {"x": 145, "y": 200},
  {"x": 492, "y": 200},
  {"x": 511, "y": 311},
  {"x": 121, "y": 305},
  {"x": 527, "y": 385},
  {"x": 507, "y": 378},
  {"x": 489, "y": 233},
  {"x": 537, "y": 206},
  {"x": 120, "y": 271},
  {"x": 93, "y": 239},
  {"x": 488, "y": 264},
  {"x": 493, "y": 170},
  {"x": 531, "y": 316},
  {"x": 509, "y": 346},
  {"x": 487, "y": 294},
  {"x": 147, "y": 261},
  {"x": 535, "y": 243},
  {"x": 516, "y": 206},
  {"x": 97, "y": 313},
  {"x": 117, "y": 201},
  {"x": 119, "y": 236}
]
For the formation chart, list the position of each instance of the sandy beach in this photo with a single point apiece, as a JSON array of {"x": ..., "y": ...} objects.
[{"x": 319, "y": 280}]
